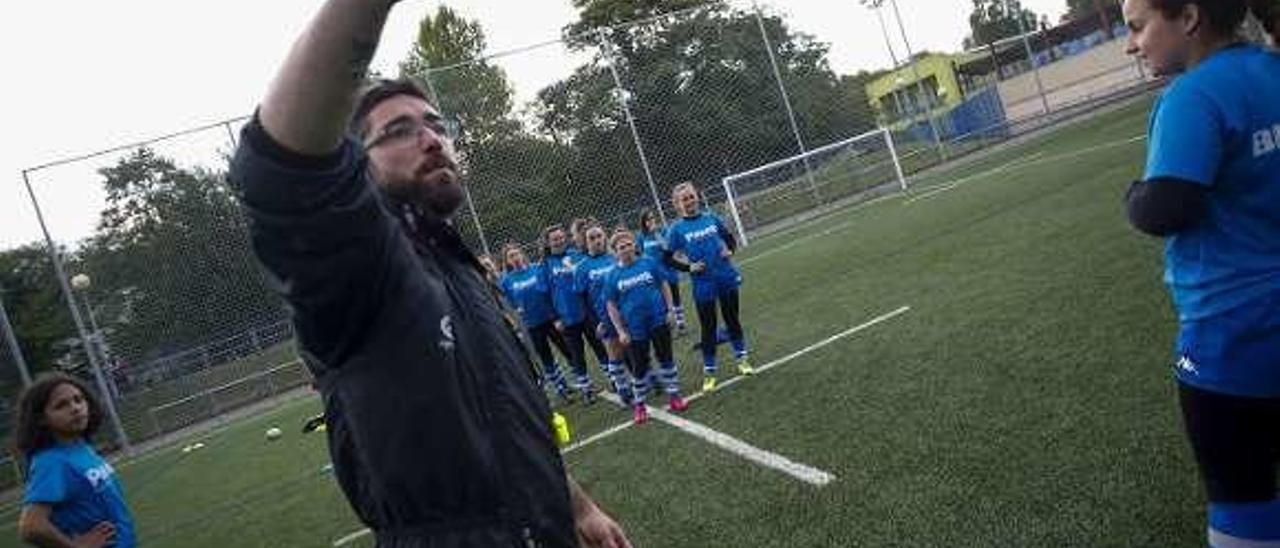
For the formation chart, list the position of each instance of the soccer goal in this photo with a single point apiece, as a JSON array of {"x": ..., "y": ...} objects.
[{"x": 867, "y": 165}]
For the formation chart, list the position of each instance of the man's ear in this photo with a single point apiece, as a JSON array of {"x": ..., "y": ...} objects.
[{"x": 1192, "y": 18}]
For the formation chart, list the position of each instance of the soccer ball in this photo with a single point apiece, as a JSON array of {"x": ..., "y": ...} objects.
[
  {"x": 274, "y": 434},
  {"x": 80, "y": 282}
]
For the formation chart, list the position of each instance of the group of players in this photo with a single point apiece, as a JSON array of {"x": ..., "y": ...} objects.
[{"x": 617, "y": 292}]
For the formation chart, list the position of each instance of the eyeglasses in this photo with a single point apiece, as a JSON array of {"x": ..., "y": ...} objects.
[{"x": 404, "y": 130}]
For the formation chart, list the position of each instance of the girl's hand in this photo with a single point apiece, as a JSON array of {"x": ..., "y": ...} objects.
[
  {"x": 624, "y": 338},
  {"x": 697, "y": 267},
  {"x": 101, "y": 534},
  {"x": 559, "y": 326},
  {"x": 725, "y": 253}
]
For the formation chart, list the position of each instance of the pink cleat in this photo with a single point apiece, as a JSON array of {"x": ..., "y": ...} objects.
[
  {"x": 640, "y": 414},
  {"x": 677, "y": 404}
]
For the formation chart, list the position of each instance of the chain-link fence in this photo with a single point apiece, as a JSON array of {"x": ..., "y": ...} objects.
[{"x": 169, "y": 304}]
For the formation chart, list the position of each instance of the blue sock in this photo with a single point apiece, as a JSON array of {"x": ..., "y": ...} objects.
[
  {"x": 1249, "y": 521},
  {"x": 709, "y": 361},
  {"x": 740, "y": 348}
]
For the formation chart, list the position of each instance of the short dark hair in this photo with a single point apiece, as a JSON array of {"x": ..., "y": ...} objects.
[
  {"x": 30, "y": 434},
  {"x": 1224, "y": 17},
  {"x": 1266, "y": 11},
  {"x": 374, "y": 94}
]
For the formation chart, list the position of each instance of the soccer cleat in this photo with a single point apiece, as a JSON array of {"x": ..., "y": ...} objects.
[
  {"x": 640, "y": 414},
  {"x": 744, "y": 366},
  {"x": 709, "y": 384},
  {"x": 677, "y": 404},
  {"x": 588, "y": 396},
  {"x": 314, "y": 424}
]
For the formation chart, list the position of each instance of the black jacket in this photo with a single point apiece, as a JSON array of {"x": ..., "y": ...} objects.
[{"x": 437, "y": 429}]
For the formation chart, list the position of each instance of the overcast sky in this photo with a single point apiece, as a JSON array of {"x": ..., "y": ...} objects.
[{"x": 87, "y": 76}]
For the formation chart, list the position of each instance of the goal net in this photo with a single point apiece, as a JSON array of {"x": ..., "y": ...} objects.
[{"x": 855, "y": 169}]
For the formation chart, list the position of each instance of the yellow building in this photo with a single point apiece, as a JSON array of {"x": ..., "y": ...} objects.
[{"x": 895, "y": 96}]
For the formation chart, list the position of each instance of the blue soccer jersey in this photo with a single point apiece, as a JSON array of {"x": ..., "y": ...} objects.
[
  {"x": 568, "y": 302},
  {"x": 702, "y": 239},
  {"x": 636, "y": 290},
  {"x": 529, "y": 291},
  {"x": 654, "y": 245},
  {"x": 1219, "y": 126},
  {"x": 82, "y": 489},
  {"x": 589, "y": 277}
]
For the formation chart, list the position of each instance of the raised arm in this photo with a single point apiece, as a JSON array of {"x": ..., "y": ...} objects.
[{"x": 308, "y": 103}]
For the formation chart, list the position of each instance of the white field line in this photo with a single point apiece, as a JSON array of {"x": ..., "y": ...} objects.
[
  {"x": 768, "y": 459},
  {"x": 851, "y": 222},
  {"x": 352, "y": 537},
  {"x": 808, "y": 472},
  {"x": 826, "y": 232},
  {"x": 1034, "y": 160},
  {"x": 985, "y": 173},
  {"x": 761, "y": 369}
]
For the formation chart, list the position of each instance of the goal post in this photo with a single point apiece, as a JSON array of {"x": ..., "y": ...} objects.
[{"x": 864, "y": 166}]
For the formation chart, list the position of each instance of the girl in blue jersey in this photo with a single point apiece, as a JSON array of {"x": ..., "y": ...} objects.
[
  {"x": 589, "y": 277},
  {"x": 1211, "y": 188},
  {"x": 708, "y": 246},
  {"x": 528, "y": 289},
  {"x": 639, "y": 304},
  {"x": 72, "y": 496},
  {"x": 653, "y": 241},
  {"x": 570, "y": 306}
]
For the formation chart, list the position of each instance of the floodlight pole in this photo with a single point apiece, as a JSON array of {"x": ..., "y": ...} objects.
[
  {"x": 884, "y": 31},
  {"x": 786, "y": 103},
  {"x": 924, "y": 95},
  {"x": 631, "y": 121},
  {"x": 466, "y": 185},
  {"x": 12, "y": 341},
  {"x": 61, "y": 273}
]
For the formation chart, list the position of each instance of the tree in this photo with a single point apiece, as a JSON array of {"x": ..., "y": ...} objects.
[
  {"x": 32, "y": 297},
  {"x": 448, "y": 57},
  {"x": 994, "y": 20},
  {"x": 702, "y": 92},
  {"x": 170, "y": 260}
]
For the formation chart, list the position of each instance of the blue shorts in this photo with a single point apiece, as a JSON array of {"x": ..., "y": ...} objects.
[
  {"x": 711, "y": 285},
  {"x": 1236, "y": 352}
]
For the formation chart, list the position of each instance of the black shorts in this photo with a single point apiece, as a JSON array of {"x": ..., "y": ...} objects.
[{"x": 1236, "y": 441}]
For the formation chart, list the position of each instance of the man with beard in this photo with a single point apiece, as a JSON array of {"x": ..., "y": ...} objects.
[{"x": 437, "y": 429}]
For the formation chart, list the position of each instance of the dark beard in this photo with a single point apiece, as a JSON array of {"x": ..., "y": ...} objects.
[{"x": 439, "y": 200}]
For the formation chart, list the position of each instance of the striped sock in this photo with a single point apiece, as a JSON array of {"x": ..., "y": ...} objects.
[
  {"x": 670, "y": 378},
  {"x": 641, "y": 387},
  {"x": 618, "y": 376},
  {"x": 679, "y": 310},
  {"x": 556, "y": 377}
]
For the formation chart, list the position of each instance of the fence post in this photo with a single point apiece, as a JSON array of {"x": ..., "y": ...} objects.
[
  {"x": 61, "y": 273},
  {"x": 924, "y": 95},
  {"x": 625, "y": 100},
  {"x": 786, "y": 103},
  {"x": 12, "y": 341}
]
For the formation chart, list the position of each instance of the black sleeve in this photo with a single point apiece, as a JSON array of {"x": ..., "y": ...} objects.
[
  {"x": 319, "y": 229},
  {"x": 1164, "y": 206},
  {"x": 669, "y": 259},
  {"x": 727, "y": 235}
]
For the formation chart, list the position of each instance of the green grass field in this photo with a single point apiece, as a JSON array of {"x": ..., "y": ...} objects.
[{"x": 1023, "y": 400}]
